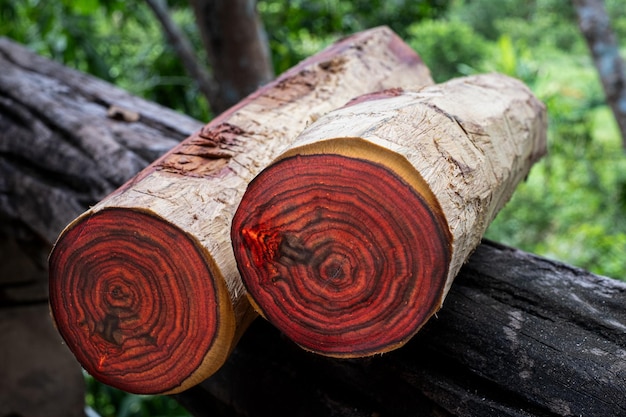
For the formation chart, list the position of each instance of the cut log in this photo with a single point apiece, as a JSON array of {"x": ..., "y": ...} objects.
[
  {"x": 144, "y": 286},
  {"x": 519, "y": 336},
  {"x": 349, "y": 242}
]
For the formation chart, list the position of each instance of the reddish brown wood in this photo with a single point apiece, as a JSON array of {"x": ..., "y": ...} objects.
[
  {"x": 342, "y": 264},
  {"x": 114, "y": 300}
]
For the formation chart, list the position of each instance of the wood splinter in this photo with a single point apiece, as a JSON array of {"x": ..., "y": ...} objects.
[
  {"x": 144, "y": 286},
  {"x": 350, "y": 240}
]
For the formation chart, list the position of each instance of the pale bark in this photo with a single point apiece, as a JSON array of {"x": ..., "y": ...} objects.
[
  {"x": 471, "y": 139},
  {"x": 463, "y": 146},
  {"x": 197, "y": 186}
]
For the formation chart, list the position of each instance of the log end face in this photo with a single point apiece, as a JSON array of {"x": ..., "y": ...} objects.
[
  {"x": 138, "y": 302},
  {"x": 341, "y": 253}
]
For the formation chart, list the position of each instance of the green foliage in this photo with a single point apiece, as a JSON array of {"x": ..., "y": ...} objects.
[
  {"x": 110, "y": 402},
  {"x": 118, "y": 41},
  {"x": 572, "y": 206},
  {"x": 299, "y": 28},
  {"x": 482, "y": 15},
  {"x": 450, "y": 48},
  {"x": 617, "y": 14}
]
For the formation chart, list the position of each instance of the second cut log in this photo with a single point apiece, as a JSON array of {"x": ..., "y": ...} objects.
[{"x": 350, "y": 240}]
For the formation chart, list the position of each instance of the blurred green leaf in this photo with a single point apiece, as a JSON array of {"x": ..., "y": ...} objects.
[
  {"x": 508, "y": 56},
  {"x": 83, "y": 7},
  {"x": 449, "y": 48}
]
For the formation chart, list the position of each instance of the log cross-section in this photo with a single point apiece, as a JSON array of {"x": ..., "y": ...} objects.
[
  {"x": 144, "y": 286},
  {"x": 350, "y": 240},
  {"x": 129, "y": 298}
]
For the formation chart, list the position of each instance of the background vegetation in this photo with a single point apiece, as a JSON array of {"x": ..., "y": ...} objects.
[{"x": 572, "y": 206}]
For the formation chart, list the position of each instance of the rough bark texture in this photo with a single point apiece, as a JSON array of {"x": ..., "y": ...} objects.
[
  {"x": 237, "y": 48},
  {"x": 518, "y": 336},
  {"x": 349, "y": 242},
  {"x": 596, "y": 28},
  {"x": 65, "y": 138},
  {"x": 135, "y": 326},
  {"x": 65, "y": 143}
]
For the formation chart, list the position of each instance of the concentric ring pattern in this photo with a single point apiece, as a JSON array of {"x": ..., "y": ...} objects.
[
  {"x": 134, "y": 300},
  {"x": 340, "y": 253}
]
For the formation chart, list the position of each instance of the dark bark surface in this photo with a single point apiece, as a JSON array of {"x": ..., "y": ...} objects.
[
  {"x": 518, "y": 336},
  {"x": 66, "y": 141}
]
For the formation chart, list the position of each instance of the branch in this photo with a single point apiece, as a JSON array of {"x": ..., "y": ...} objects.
[
  {"x": 236, "y": 47},
  {"x": 596, "y": 28},
  {"x": 185, "y": 52}
]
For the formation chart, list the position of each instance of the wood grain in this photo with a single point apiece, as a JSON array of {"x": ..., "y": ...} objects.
[
  {"x": 351, "y": 239},
  {"x": 338, "y": 252},
  {"x": 119, "y": 296}
]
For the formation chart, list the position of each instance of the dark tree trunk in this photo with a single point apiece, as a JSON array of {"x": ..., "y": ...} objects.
[
  {"x": 236, "y": 45},
  {"x": 66, "y": 141},
  {"x": 70, "y": 139},
  {"x": 518, "y": 336},
  {"x": 596, "y": 28}
]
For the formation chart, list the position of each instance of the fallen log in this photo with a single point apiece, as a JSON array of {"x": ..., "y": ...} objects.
[
  {"x": 143, "y": 286},
  {"x": 66, "y": 141},
  {"x": 350, "y": 240},
  {"x": 519, "y": 336},
  {"x": 71, "y": 139}
]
